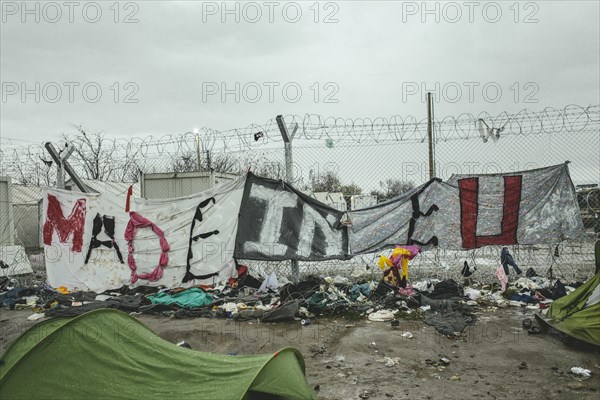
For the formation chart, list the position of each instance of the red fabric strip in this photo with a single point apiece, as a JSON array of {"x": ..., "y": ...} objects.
[
  {"x": 469, "y": 209},
  {"x": 137, "y": 221},
  {"x": 128, "y": 202}
]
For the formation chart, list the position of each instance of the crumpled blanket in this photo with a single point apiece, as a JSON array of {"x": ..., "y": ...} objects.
[
  {"x": 451, "y": 324},
  {"x": 449, "y": 317}
]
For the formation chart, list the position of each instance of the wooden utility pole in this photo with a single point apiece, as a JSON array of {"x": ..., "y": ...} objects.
[{"x": 430, "y": 136}]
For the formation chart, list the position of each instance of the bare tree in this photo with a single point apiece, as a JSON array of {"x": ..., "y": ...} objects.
[
  {"x": 130, "y": 167},
  {"x": 223, "y": 162},
  {"x": 27, "y": 167},
  {"x": 95, "y": 153},
  {"x": 184, "y": 163}
]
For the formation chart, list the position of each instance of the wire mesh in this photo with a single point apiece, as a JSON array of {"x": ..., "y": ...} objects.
[{"x": 366, "y": 156}]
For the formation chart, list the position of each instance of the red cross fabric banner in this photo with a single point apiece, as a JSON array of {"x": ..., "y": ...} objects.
[
  {"x": 469, "y": 208},
  {"x": 537, "y": 206}
]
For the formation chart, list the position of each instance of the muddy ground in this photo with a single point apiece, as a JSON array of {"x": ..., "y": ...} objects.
[{"x": 494, "y": 359}]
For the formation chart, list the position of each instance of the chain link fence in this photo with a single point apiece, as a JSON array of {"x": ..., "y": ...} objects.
[{"x": 360, "y": 161}]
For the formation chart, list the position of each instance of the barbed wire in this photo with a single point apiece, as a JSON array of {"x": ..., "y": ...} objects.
[
  {"x": 378, "y": 141},
  {"x": 314, "y": 126},
  {"x": 570, "y": 119}
]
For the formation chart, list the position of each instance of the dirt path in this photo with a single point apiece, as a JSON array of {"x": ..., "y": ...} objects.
[{"x": 494, "y": 359}]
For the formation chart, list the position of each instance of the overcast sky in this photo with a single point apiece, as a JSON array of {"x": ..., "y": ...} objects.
[{"x": 165, "y": 70}]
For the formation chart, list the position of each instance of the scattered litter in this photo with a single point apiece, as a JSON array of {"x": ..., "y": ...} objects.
[
  {"x": 525, "y": 283},
  {"x": 407, "y": 335},
  {"x": 364, "y": 395},
  {"x": 472, "y": 294},
  {"x": 578, "y": 371},
  {"x": 269, "y": 283},
  {"x": 62, "y": 290},
  {"x": 382, "y": 315},
  {"x": 390, "y": 362},
  {"x": 31, "y": 300},
  {"x": 340, "y": 358},
  {"x": 523, "y": 365},
  {"x": 36, "y": 316}
]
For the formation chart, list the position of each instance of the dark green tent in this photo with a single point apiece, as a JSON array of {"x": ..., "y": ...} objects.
[
  {"x": 578, "y": 314},
  {"x": 108, "y": 354}
]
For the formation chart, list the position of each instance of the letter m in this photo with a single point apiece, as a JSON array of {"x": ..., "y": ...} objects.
[
  {"x": 64, "y": 227},
  {"x": 469, "y": 210}
]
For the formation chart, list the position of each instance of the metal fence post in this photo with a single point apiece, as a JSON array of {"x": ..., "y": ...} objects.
[
  {"x": 63, "y": 166},
  {"x": 289, "y": 174}
]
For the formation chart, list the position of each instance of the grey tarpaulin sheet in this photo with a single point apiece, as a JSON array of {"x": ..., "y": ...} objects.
[
  {"x": 470, "y": 211},
  {"x": 278, "y": 222}
]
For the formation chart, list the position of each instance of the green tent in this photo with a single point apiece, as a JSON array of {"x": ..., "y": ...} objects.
[
  {"x": 108, "y": 354},
  {"x": 578, "y": 314}
]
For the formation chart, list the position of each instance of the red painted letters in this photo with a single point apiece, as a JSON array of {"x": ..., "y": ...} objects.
[{"x": 73, "y": 224}]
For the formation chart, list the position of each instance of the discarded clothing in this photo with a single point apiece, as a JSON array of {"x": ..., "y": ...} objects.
[
  {"x": 383, "y": 289},
  {"x": 16, "y": 296},
  {"x": 284, "y": 312},
  {"x": 446, "y": 289},
  {"x": 507, "y": 259},
  {"x": 525, "y": 298},
  {"x": 62, "y": 290},
  {"x": 407, "y": 291},
  {"x": 466, "y": 271},
  {"x": 441, "y": 305},
  {"x": 525, "y": 283},
  {"x": 449, "y": 317},
  {"x": 269, "y": 283},
  {"x": 448, "y": 323},
  {"x": 425, "y": 285},
  {"x": 530, "y": 273},
  {"x": 381, "y": 316},
  {"x": 357, "y": 290},
  {"x": 190, "y": 298},
  {"x": 472, "y": 294},
  {"x": 322, "y": 303},
  {"x": 501, "y": 275},
  {"x": 558, "y": 290},
  {"x": 123, "y": 303}
]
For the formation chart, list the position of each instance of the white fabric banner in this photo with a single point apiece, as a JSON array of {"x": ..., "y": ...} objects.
[{"x": 166, "y": 242}]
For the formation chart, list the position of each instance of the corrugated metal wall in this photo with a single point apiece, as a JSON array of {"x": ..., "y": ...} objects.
[
  {"x": 169, "y": 185},
  {"x": 7, "y": 235}
]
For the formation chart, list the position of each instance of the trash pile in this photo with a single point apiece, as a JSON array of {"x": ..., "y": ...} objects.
[
  {"x": 446, "y": 305},
  {"x": 269, "y": 300}
]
